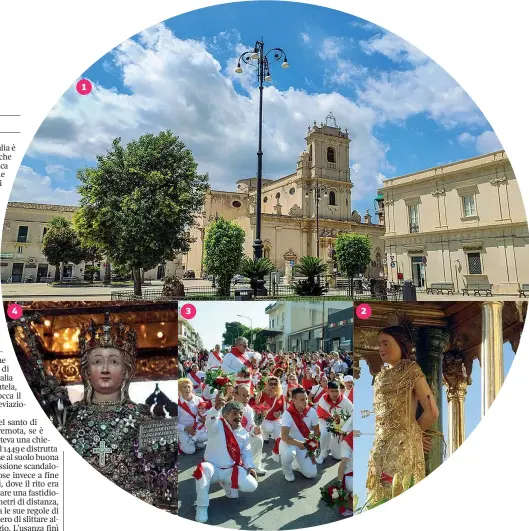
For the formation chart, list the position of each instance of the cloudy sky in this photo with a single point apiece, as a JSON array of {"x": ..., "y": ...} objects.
[{"x": 404, "y": 113}]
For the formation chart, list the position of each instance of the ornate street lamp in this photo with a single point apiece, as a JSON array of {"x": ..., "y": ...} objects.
[
  {"x": 261, "y": 61},
  {"x": 318, "y": 191}
]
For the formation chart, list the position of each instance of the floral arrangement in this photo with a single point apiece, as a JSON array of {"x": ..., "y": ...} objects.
[
  {"x": 336, "y": 496},
  {"x": 336, "y": 421},
  {"x": 260, "y": 413},
  {"x": 218, "y": 379},
  {"x": 261, "y": 384},
  {"x": 312, "y": 443}
]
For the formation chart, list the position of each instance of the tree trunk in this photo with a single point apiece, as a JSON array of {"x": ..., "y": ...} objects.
[
  {"x": 136, "y": 272},
  {"x": 108, "y": 278},
  {"x": 61, "y": 270},
  {"x": 57, "y": 272}
]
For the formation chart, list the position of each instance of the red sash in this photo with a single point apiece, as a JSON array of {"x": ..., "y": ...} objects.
[
  {"x": 299, "y": 421},
  {"x": 244, "y": 422},
  {"x": 319, "y": 395},
  {"x": 349, "y": 394},
  {"x": 322, "y": 414},
  {"x": 234, "y": 452},
  {"x": 349, "y": 440},
  {"x": 195, "y": 377},
  {"x": 277, "y": 405},
  {"x": 186, "y": 408},
  {"x": 216, "y": 354},
  {"x": 307, "y": 384},
  {"x": 241, "y": 357}
]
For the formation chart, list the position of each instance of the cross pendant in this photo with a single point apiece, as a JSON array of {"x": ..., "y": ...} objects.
[{"x": 102, "y": 451}]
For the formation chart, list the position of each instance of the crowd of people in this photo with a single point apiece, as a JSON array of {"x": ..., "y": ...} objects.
[{"x": 233, "y": 403}]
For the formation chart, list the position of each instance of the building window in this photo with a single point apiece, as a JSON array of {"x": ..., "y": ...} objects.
[
  {"x": 22, "y": 234},
  {"x": 332, "y": 198},
  {"x": 474, "y": 264},
  {"x": 44, "y": 231},
  {"x": 265, "y": 200},
  {"x": 413, "y": 215},
  {"x": 292, "y": 191},
  {"x": 236, "y": 204},
  {"x": 310, "y": 152},
  {"x": 278, "y": 195},
  {"x": 469, "y": 205},
  {"x": 331, "y": 155}
]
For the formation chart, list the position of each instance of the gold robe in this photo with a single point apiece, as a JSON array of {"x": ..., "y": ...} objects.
[{"x": 397, "y": 448}]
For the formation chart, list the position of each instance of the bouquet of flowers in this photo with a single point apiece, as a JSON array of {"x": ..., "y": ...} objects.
[
  {"x": 336, "y": 421},
  {"x": 218, "y": 379},
  {"x": 336, "y": 496},
  {"x": 260, "y": 412},
  {"x": 261, "y": 384},
  {"x": 312, "y": 443}
]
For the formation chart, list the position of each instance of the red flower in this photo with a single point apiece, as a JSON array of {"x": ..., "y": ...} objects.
[
  {"x": 385, "y": 478},
  {"x": 221, "y": 381}
]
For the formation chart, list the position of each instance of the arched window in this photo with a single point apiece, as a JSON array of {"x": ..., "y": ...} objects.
[
  {"x": 310, "y": 152},
  {"x": 332, "y": 198},
  {"x": 378, "y": 258},
  {"x": 330, "y": 155}
]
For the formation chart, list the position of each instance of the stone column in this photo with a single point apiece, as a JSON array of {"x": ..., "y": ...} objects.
[
  {"x": 430, "y": 347},
  {"x": 456, "y": 379},
  {"x": 491, "y": 353}
]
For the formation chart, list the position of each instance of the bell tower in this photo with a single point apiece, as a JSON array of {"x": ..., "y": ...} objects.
[{"x": 328, "y": 160}]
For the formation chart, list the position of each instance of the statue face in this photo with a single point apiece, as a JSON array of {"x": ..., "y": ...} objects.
[
  {"x": 106, "y": 370},
  {"x": 389, "y": 349}
]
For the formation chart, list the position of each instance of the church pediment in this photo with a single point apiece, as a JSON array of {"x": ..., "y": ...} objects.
[{"x": 290, "y": 255}]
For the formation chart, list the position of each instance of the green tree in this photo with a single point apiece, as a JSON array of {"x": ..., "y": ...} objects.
[
  {"x": 62, "y": 245},
  {"x": 234, "y": 330},
  {"x": 140, "y": 201},
  {"x": 223, "y": 252},
  {"x": 259, "y": 340},
  {"x": 310, "y": 267},
  {"x": 353, "y": 253}
]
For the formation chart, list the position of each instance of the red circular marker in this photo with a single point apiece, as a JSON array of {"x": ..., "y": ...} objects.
[
  {"x": 188, "y": 311},
  {"x": 84, "y": 87},
  {"x": 363, "y": 311},
  {"x": 14, "y": 311}
]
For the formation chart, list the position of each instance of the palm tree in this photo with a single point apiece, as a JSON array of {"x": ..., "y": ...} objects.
[
  {"x": 255, "y": 269},
  {"x": 310, "y": 267}
]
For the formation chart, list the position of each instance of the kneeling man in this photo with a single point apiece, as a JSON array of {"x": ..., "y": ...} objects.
[
  {"x": 228, "y": 456},
  {"x": 297, "y": 423}
]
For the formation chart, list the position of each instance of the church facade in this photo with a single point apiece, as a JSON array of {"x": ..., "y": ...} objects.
[{"x": 302, "y": 213}]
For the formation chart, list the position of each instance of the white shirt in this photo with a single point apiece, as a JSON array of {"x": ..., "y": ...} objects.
[
  {"x": 216, "y": 451},
  {"x": 231, "y": 363},
  {"x": 250, "y": 422},
  {"x": 345, "y": 405},
  {"x": 213, "y": 362},
  {"x": 310, "y": 419},
  {"x": 184, "y": 418}
]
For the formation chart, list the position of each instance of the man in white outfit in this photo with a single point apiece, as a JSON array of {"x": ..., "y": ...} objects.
[
  {"x": 297, "y": 423},
  {"x": 214, "y": 359},
  {"x": 236, "y": 359},
  {"x": 242, "y": 395},
  {"x": 188, "y": 404},
  {"x": 228, "y": 456},
  {"x": 331, "y": 403}
]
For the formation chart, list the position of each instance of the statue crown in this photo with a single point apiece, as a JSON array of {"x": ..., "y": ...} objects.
[{"x": 108, "y": 336}]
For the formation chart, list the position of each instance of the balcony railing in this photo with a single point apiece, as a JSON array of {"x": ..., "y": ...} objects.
[
  {"x": 331, "y": 165},
  {"x": 414, "y": 227}
]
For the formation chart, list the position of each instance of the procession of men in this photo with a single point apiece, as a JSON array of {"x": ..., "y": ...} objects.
[{"x": 263, "y": 436}]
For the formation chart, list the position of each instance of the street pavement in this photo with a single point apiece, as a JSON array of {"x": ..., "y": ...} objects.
[{"x": 276, "y": 504}]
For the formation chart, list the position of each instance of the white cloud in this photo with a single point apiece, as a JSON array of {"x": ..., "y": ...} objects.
[
  {"x": 393, "y": 47},
  {"x": 486, "y": 142},
  {"x": 305, "y": 37},
  {"x": 339, "y": 71},
  {"x": 31, "y": 186},
  {"x": 178, "y": 85},
  {"x": 58, "y": 171}
]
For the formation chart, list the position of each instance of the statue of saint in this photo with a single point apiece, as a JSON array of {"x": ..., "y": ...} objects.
[{"x": 105, "y": 426}]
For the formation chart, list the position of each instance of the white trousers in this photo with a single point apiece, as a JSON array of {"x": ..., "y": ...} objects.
[
  {"x": 329, "y": 442},
  {"x": 271, "y": 429},
  {"x": 201, "y": 436},
  {"x": 349, "y": 483},
  {"x": 256, "y": 444},
  {"x": 288, "y": 453},
  {"x": 212, "y": 474},
  {"x": 186, "y": 442}
]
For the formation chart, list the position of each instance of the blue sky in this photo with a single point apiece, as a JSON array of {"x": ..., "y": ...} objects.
[
  {"x": 404, "y": 113},
  {"x": 364, "y": 400}
]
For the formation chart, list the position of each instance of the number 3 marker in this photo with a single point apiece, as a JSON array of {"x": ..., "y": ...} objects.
[{"x": 188, "y": 311}]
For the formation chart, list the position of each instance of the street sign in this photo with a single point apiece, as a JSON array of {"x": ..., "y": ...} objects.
[
  {"x": 424, "y": 261},
  {"x": 292, "y": 263},
  {"x": 393, "y": 264}
]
